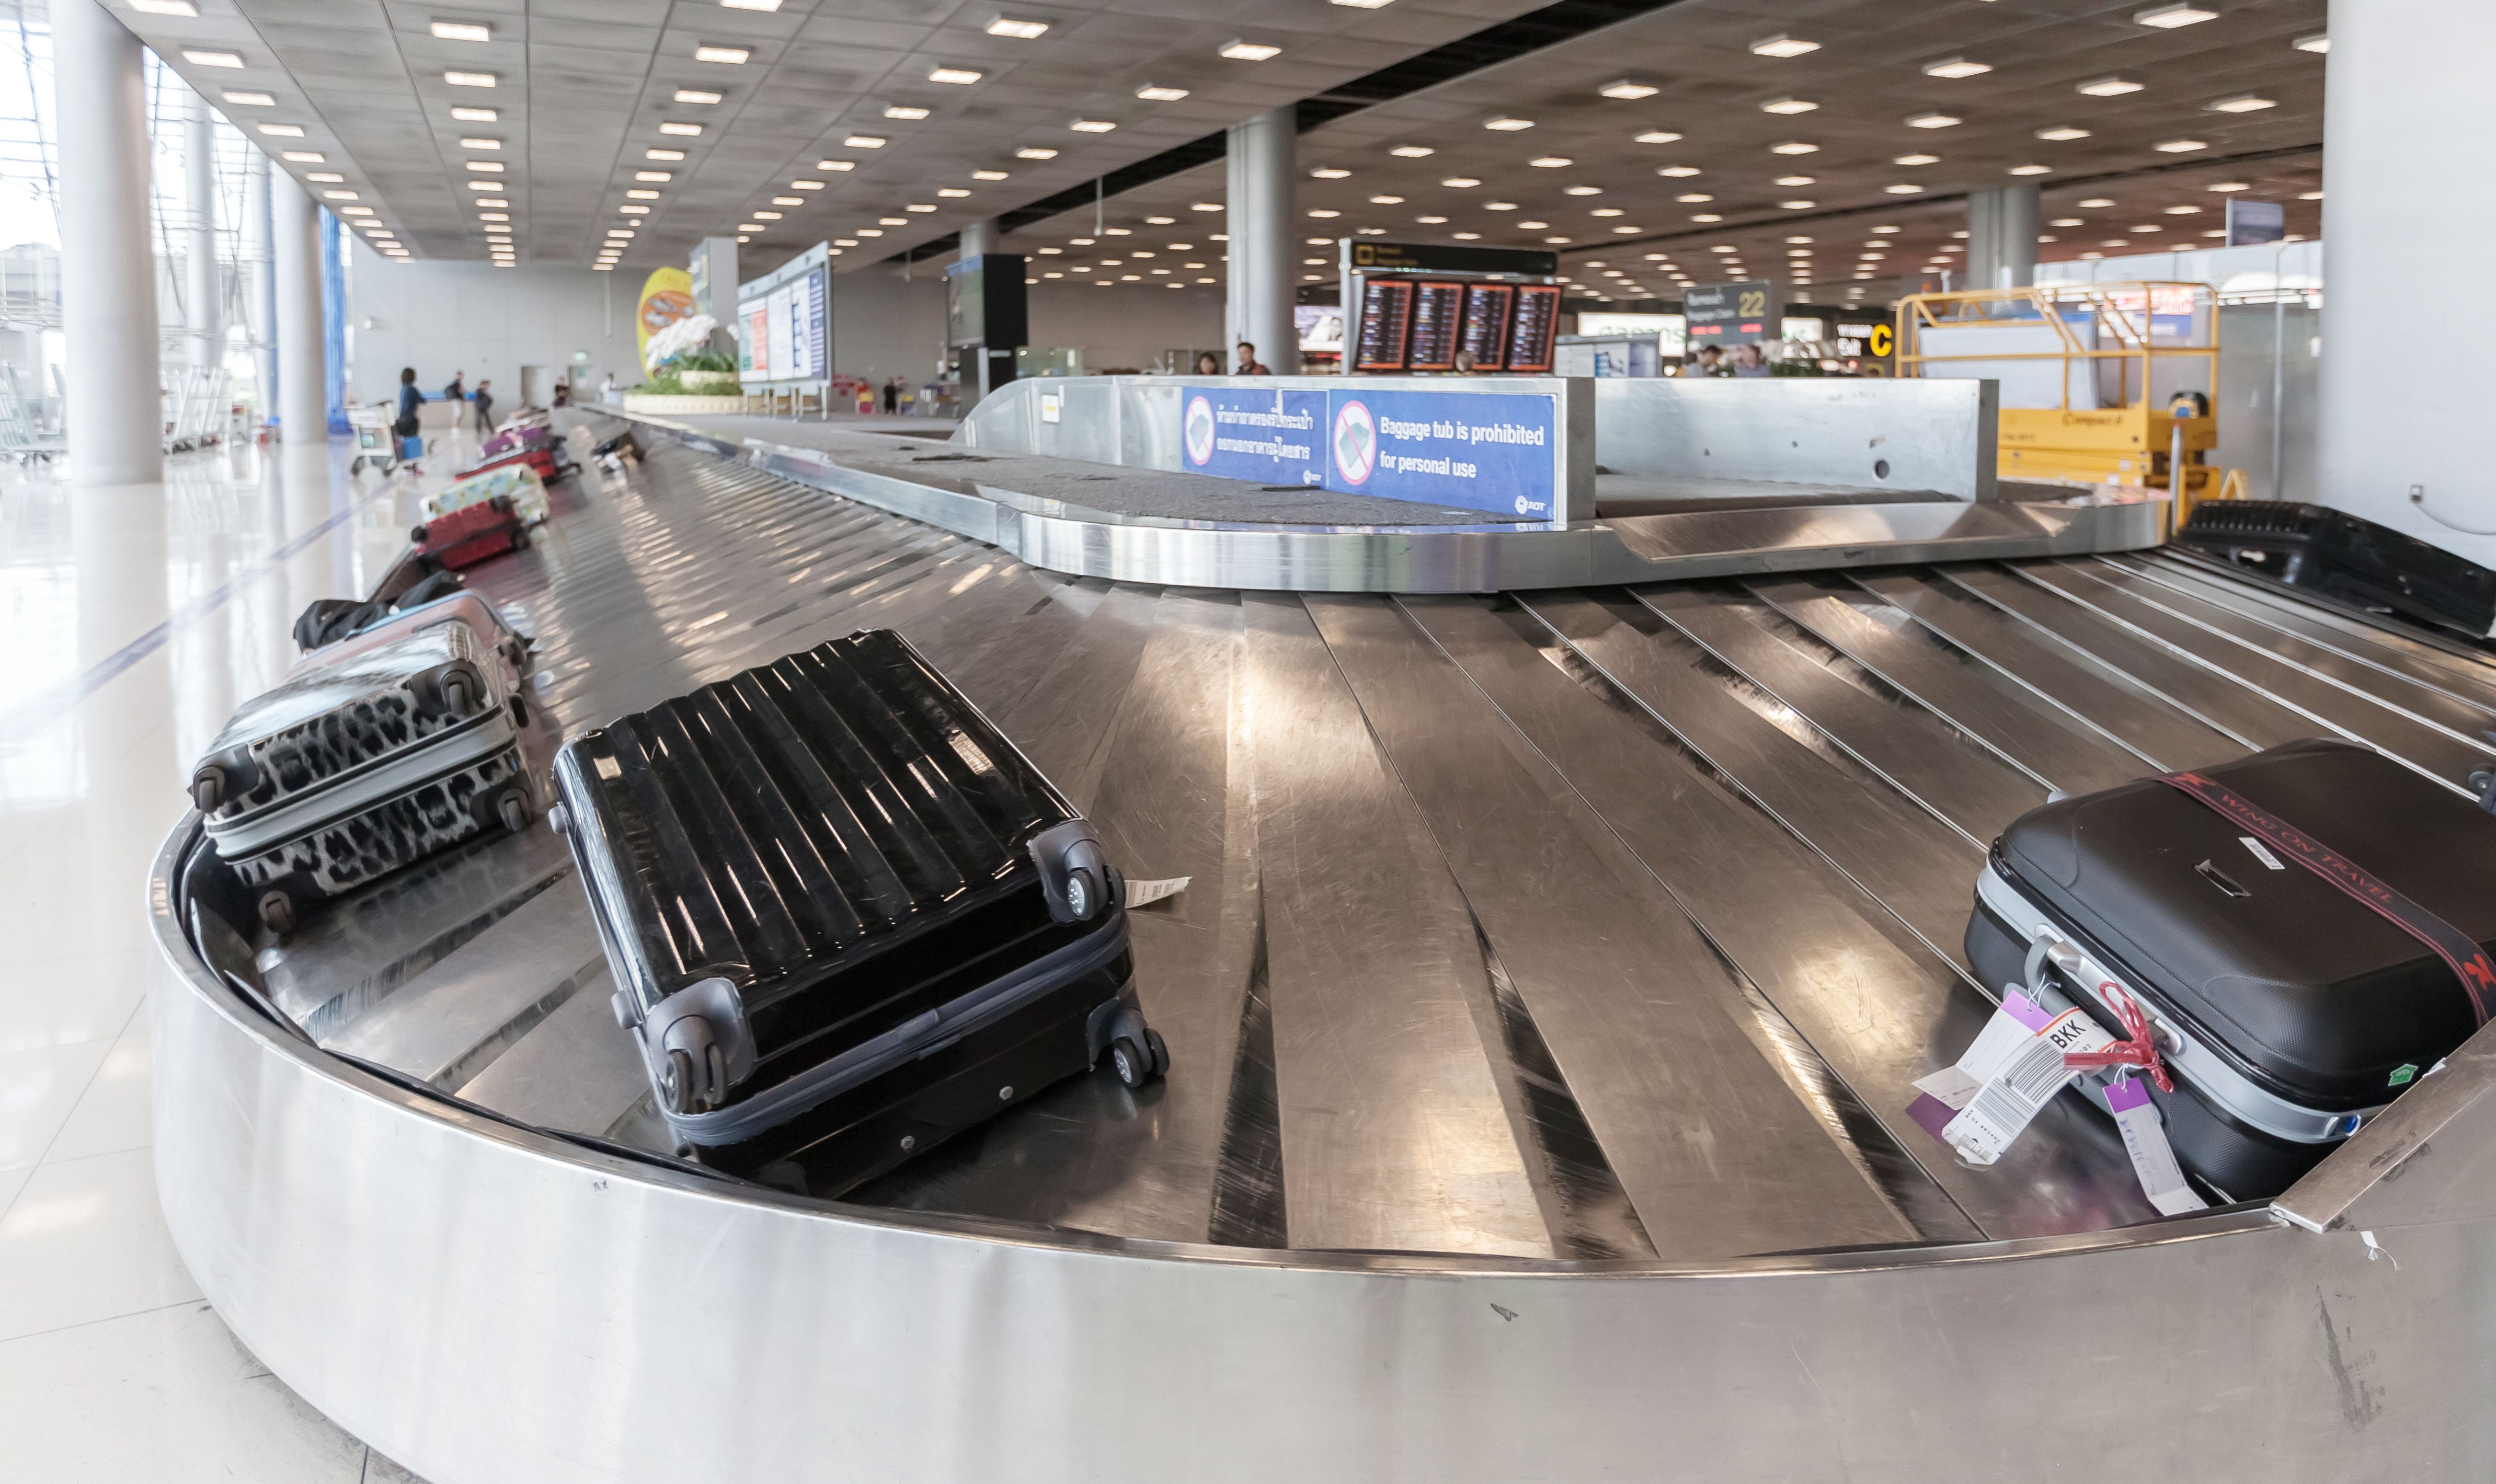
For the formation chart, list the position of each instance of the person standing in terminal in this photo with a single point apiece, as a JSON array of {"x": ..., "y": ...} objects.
[
  {"x": 457, "y": 390},
  {"x": 1248, "y": 364},
  {"x": 1750, "y": 360},
  {"x": 1709, "y": 361},
  {"x": 484, "y": 406},
  {"x": 408, "y": 426},
  {"x": 892, "y": 395},
  {"x": 1207, "y": 363}
]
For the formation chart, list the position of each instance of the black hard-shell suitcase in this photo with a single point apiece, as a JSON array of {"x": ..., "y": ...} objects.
[
  {"x": 2346, "y": 557},
  {"x": 846, "y": 917},
  {"x": 2288, "y": 1010},
  {"x": 352, "y": 770}
]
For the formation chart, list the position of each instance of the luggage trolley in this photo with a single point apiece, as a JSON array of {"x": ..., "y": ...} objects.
[{"x": 375, "y": 444}]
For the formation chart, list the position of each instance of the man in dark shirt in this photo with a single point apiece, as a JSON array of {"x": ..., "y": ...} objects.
[
  {"x": 457, "y": 390},
  {"x": 484, "y": 406},
  {"x": 1248, "y": 364}
]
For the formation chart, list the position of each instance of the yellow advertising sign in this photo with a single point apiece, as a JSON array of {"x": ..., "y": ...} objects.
[{"x": 667, "y": 296}]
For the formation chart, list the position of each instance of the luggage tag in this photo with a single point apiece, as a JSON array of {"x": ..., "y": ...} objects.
[
  {"x": 2144, "y": 1138},
  {"x": 1951, "y": 1088},
  {"x": 2016, "y": 1091},
  {"x": 1145, "y": 893}
]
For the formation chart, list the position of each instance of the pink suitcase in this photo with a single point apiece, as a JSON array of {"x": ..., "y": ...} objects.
[{"x": 459, "y": 609}]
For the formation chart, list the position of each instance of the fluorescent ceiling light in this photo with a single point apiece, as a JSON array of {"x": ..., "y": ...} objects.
[
  {"x": 863, "y": 142},
  {"x": 1412, "y": 151},
  {"x": 339, "y": 196},
  {"x": 1576, "y": 190},
  {"x": 486, "y": 167},
  {"x": 731, "y": 55},
  {"x": 304, "y": 157},
  {"x": 682, "y": 131},
  {"x": 2230, "y": 185},
  {"x": 1324, "y": 213},
  {"x": 283, "y": 130},
  {"x": 475, "y": 115},
  {"x": 1250, "y": 51},
  {"x": 1154, "y": 92},
  {"x": 904, "y": 110},
  {"x": 1499, "y": 205},
  {"x": 485, "y": 185},
  {"x": 983, "y": 175},
  {"x": 778, "y": 200},
  {"x": 1916, "y": 159},
  {"x": 2110, "y": 87},
  {"x": 1956, "y": 67},
  {"x": 2093, "y": 203},
  {"x": 1693, "y": 196},
  {"x": 2031, "y": 170},
  {"x": 211, "y": 58},
  {"x": 2301, "y": 195},
  {"x": 1933, "y": 121},
  {"x": 355, "y": 211},
  {"x": 1797, "y": 205},
  {"x": 2167, "y": 18},
  {"x": 1508, "y": 125},
  {"x": 661, "y": 175},
  {"x": 1884, "y": 230},
  {"x": 1460, "y": 182},
  {"x": 1466, "y": 236},
  {"x": 1655, "y": 137},
  {"x": 2179, "y": 146},
  {"x": 1677, "y": 171},
  {"x": 919, "y": 206},
  {"x": 766, "y": 216},
  {"x": 1431, "y": 221},
  {"x": 1626, "y": 88},
  {"x": 474, "y": 144},
  {"x": 165, "y": 8},
  {"x": 1092, "y": 126},
  {"x": 1386, "y": 200},
  {"x": 1551, "y": 162},
  {"x": 2061, "y": 131},
  {"x": 959, "y": 77},
  {"x": 469, "y": 78},
  {"x": 1035, "y": 152},
  {"x": 663, "y": 154},
  {"x": 870, "y": 232},
  {"x": 461, "y": 31},
  {"x": 1797, "y": 180},
  {"x": 2320, "y": 42},
  {"x": 1783, "y": 46},
  {"x": 1020, "y": 30},
  {"x": 751, "y": 5},
  {"x": 852, "y": 242},
  {"x": 2171, "y": 211},
  {"x": 620, "y": 232},
  {"x": 957, "y": 191},
  {"x": 251, "y": 100},
  {"x": 695, "y": 95},
  {"x": 836, "y": 165},
  {"x": 1903, "y": 189},
  {"x": 325, "y": 177},
  {"x": 2243, "y": 103},
  {"x": 1788, "y": 106},
  {"x": 642, "y": 196},
  {"x": 492, "y": 216},
  {"x": 1329, "y": 173},
  {"x": 749, "y": 226}
]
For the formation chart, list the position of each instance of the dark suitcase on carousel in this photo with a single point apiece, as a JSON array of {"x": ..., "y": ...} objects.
[
  {"x": 472, "y": 533},
  {"x": 2342, "y": 556},
  {"x": 845, "y": 918},
  {"x": 2256, "y": 912},
  {"x": 352, "y": 770}
]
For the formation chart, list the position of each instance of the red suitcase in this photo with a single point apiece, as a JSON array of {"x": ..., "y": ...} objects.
[
  {"x": 469, "y": 536},
  {"x": 539, "y": 458}
]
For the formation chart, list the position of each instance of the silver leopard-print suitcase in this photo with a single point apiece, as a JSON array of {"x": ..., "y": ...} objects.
[{"x": 355, "y": 769}]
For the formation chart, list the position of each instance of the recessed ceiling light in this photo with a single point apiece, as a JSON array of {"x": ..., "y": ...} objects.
[
  {"x": 251, "y": 100},
  {"x": 1386, "y": 200},
  {"x": 870, "y": 232},
  {"x": 663, "y": 154},
  {"x": 1466, "y": 236},
  {"x": 2180, "y": 211},
  {"x": 1956, "y": 67},
  {"x": 325, "y": 177},
  {"x": 339, "y": 196},
  {"x": 1903, "y": 189},
  {"x": 1781, "y": 46},
  {"x": 620, "y": 232},
  {"x": 2319, "y": 42},
  {"x": 654, "y": 176},
  {"x": 1797, "y": 180},
  {"x": 2096, "y": 202},
  {"x": 1918, "y": 159},
  {"x": 766, "y": 216},
  {"x": 2179, "y": 146},
  {"x": 974, "y": 176},
  {"x": 1508, "y": 125},
  {"x": 1797, "y": 205},
  {"x": 904, "y": 110},
  {"x": 633, "y": 210},
  {"x": 1625, "y": 88},
  {"x": 1584, "y": 190},
  {"x": 1551, "y": 162},
  {"x": 355, "y": 211},
  {"x": 1092, "y": 126},
  {"x": 2032, "y": 170},
  {"x": 461, "y": 31},
  {"x": 283, "y": 130},
  {"x": 165, "y": 8},
  {"x": 1323, "y": 212},
  {"x": 1788, "y": 106},
  {"x": 2168, "y": 18},
  {"x": 863, "y": 142},
  {"x": 731, "y": 55},
  {"x": 211, "y": 58},
  {"x": 1884, "y": 230},
  {"x": 1534, "y": 226},
  {"x": 469, "y": 78},
  {"x": 1431, "y": 221},
  {"x": 1020, "y": 30},
  {"x": 778, "y": 200},
  {"x": 303, "y": 157},
  {"x": 1250, "y": 51},
  {"x": 940, "y": 191},
  {"x": 1331, "y": 172},
  {"x": 2230, "y": 185},
  {"x": 836, "y": 165},
  {"x": 2061, "y": 131},
  {"x": 474, "y": 144},
  {"x": 958, "y": 76},
  {"x": 1412, "y": 151},
  {"x": 2110, "y": 87},
  {"x": 1499, "y": 205},
  {"x": 2243, "y": 103},
  {"x": 2309, "y": 195},
  {"x": 1362, "y": 5},
  {"x": 1154, "y": 92},
  {"x": 919, "y": 206},
  {"x": 1691, "y": 198},
  {"x": 475, "y": 115},
  {"x": 681, "y": 131},
  {"x": 1460, "y": 182},
  {"x": 654, "y": 196},
  {"x": 695, "y": 95},
  {"x": 492, "y": 216},
  {"x": 2067, "y": 221},
  {"x": 1933, "y": 121},
  {"x": 485, "y": 185}
]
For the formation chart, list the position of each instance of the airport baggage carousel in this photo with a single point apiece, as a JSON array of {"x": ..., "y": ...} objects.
[{"x": 1544, "y": 1006}]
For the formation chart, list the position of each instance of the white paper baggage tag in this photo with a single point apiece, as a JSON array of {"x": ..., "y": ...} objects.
[
  {"x": 2153, "y": 1160},
  {"x": 1145, "y": 893},
  {"x": 2005, "y": 1033},
  {"x": 2011, "y": 1099}
]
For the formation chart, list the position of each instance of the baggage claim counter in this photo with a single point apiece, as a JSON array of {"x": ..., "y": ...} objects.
[{"x": 1575, "y": 896}]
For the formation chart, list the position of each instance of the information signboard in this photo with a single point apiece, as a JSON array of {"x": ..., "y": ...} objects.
[
  {"x": 1485, "y": 329},
  {"x": 1437, "y": 311},
  {"x": 2251, "y": 222},
  {"x": 1733, "y": 314},
  {"x": 1492, "y": 454},
  {"x": 1385, "y": 315},
  {"x": 1531, "y": 329},
  {"x": 784, "y": 322}
]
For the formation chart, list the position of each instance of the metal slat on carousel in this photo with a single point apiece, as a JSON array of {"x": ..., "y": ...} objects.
[{"x": 1544, "y": 1012}]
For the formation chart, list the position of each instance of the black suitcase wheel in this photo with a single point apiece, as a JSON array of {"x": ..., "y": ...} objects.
[
  {"x": 1160, "y": 1049},
  {"x": 1132, "y": 1064},
  {"x": 507, "y": 806},
  {"x": 209, "y": 789},
  {"x": 676, "y": 1083},
  {"x": 277, "y": 912}
]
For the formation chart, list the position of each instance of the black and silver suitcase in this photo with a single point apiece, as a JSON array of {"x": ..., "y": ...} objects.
[
  {"x": 353, "y": 769},
  {"x": 846, "y": 917},
  {"x": 2305, "y": 928}
]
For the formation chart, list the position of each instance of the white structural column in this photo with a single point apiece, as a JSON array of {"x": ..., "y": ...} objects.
[
  {"x": 2001, "y": 237},
  {"x": 2404, "y": 438},
  {"x": 202, "y": 297},
  {"x": 979, "y": 240},
  {"x": 302, "y": 376},
  {"x": 1261, "y": 278},
  {"x": 107, "y": 271},
  {"x": 260, "y": 291}
]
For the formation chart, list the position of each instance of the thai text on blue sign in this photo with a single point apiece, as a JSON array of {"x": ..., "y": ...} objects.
[
  {"x": 1477, "y": 451},
  {"x": 1273, "y": 436}
]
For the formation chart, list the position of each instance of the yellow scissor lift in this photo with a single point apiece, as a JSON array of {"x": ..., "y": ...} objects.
[{"x": 2102, "y": 383}]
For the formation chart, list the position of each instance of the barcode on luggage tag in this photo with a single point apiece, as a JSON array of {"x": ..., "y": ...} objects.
[{"x": 2011, "y": 1099}]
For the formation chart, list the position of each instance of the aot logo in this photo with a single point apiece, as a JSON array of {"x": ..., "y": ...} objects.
[
  {"x": 1355, "y": 442},
  {"x": 1524, "y": 506},
  {"x": 1197, "y": 429}
]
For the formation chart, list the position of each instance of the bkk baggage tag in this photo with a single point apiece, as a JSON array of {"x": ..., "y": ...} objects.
[
  {"x": 1145, "y": 893},
  {"x": 2012, "y": 1097},
  {"x": 2010, "y": 1028},
  {"x": 2153, "y": 1160}
]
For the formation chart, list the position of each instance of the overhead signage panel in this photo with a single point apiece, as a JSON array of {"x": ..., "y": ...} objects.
[
  {"x": 1433, "y": 257},
  {"x": 1750, "y": 312}
]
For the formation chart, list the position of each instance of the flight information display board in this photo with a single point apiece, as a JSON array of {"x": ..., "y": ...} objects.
[
  {"x": 1486, "y": 323},
  {"x": 1531, "y": 329},
  {"x": 1438, "y": 312},
  {"x": 1386, "y": 316},
  {"x": 784, "y": 322}
]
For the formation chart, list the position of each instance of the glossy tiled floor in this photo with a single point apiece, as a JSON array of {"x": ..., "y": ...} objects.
[{"x": 131, "y": 619}]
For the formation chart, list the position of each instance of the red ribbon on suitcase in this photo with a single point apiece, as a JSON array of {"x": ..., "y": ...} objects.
[{"x": 2457, "y": 948}]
